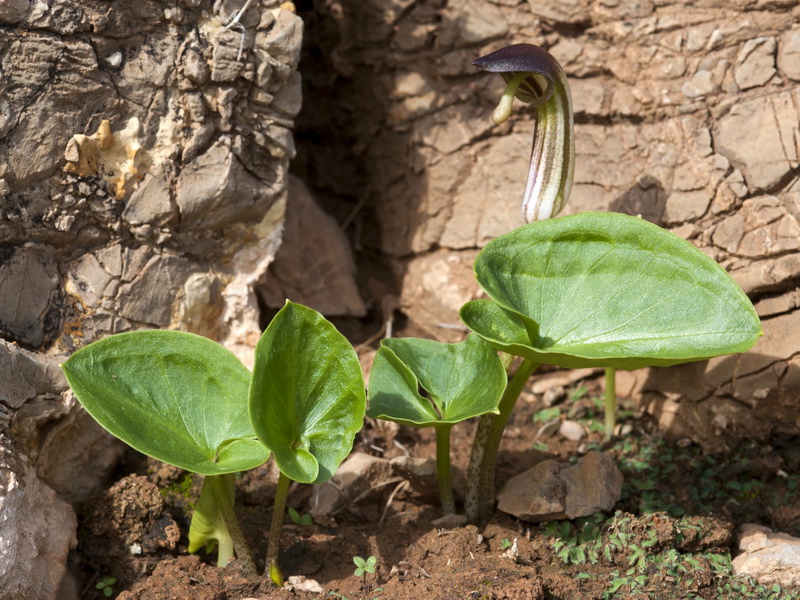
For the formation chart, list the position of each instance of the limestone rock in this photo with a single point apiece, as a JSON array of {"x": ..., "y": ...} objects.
[
  {"x": 768, "y": 557},
  {"x": 789, "y": 54},
  {"x": 572, "y": 430},
  {"x": 756, "y": 137},
  {"x": 553, "y": 490},
  {"x": 755, "y": 64},
  {"x": 314, "y": 265},
  {"x": 29, "y": 294},
  {"x": 37, "y": 529},
  {"x": 14, "y": 11}
]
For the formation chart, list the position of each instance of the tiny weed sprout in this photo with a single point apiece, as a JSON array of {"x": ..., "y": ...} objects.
[
  {"x": 460, "y": 381},
  {"x": 362, "y": 568},
  {"x": 299, "y": 519},
  {"x": 306, "y": 403},
  {"x": 588, "y": 290},
  {"x": 189, "y": 402},
  {"x": 106, "y": 585}
]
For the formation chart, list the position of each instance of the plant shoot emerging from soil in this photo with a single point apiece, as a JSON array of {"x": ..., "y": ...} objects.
[
  {"x": 422, "y": 383},
  {"x": 189, "y": 402}
]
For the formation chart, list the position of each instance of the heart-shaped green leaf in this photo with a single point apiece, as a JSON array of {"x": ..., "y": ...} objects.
[
  {"x": 606, "y": 289},
  {"x": 462, "y": 381},
  {"x": 175, "y": 396},
  {"x": 307, "y": 396}
]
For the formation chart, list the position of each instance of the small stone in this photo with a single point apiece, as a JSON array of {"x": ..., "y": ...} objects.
[
  {"x": 768, "y": 557},
  {"x": 554, "y": 395},
  {"x": 302, "y": 584},
  {"x": 554, "y": 490},
  {"x": 114, "y": 60},
  {"x": 572, "y": 430}
]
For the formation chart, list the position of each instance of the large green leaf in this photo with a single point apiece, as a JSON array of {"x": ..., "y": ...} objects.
[
  {"x": 606, "y": 289},
  {"x": 175, "y": 396},
  {"x": 307, "y": 396},
  {"x": 462, "y": 381}
]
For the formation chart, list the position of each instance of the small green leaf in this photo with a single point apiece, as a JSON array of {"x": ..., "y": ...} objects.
[
  {"x": 175, "y": 396},
  {"x": 607, "y": 290},
  {"x": 462, "y": 381},
  {"x": 307, "y": 396}
]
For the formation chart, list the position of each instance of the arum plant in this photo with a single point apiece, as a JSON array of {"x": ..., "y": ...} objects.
[
  {"x": 306, "y": 404},
  {"x": 590, "y": 290},
  {"x": 179, "y": 398},
  {"x": 188, "y": 401},
  {"x": 423, "y": 383},
  {"x": 600, "y": 290}
]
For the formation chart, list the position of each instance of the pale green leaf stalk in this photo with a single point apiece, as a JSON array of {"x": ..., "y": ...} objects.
[
  {"x": 534, "y": 76},
  {"x": 214, "y": 521}
]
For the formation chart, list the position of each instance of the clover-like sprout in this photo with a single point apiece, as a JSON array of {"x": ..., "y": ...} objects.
[{"x": 532, "y": 75}]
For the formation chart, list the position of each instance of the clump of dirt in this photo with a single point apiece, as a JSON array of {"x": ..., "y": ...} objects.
[{"x": 670, "y": 537}]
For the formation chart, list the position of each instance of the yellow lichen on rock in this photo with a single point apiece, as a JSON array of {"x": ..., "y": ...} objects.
[{"x": 117, "y": 156}]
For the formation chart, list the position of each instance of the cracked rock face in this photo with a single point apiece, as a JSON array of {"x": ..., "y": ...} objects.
[
  {"x": 144, "y": 150},
  {"x": 685, "y": 115}
]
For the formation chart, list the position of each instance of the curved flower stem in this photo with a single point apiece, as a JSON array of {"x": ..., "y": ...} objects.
[
  {"x": 611, "y": 401},
  {"x": 271, "y": 569},
  {"x": 443, "y": 468},
  {"x": 480, "y": 474}
]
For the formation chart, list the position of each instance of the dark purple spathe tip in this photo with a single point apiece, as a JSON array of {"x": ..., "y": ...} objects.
[{"x": 519, "y": 58}]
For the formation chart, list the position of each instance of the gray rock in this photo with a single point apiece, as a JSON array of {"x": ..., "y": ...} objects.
[
  {"x": 755, "y": 64},
  {"x": 314, "y": 265},
  {"x": 149, "y": 298},
  {"x": 768, "y": 557},
  {"x": 14, "y": 11},
  {"x": 25, "y": 375},
  {"x": 28, "y": 292},
  {"x": 37, "y": 529},
  {"x": 282, "y": 41},
  {"x": 215, "y": 190},
  {"x": 789, "y": 54},
  {"x": 150, "y": 202},
  {"x": 555, "y": 490}
]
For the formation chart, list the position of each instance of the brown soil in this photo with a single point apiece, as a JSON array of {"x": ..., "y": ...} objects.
[{"x": 136, "y": 531}]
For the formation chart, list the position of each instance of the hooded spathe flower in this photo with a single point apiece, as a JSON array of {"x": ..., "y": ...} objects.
[{"x": 534, "y": 76}]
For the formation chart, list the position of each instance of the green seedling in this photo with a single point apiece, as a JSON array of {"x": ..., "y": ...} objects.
[
  {"x": 106, "y": 585},
  {"x": 189, "y": 402},
  {"x": 306, "y": 403},
  {"x": 181, "y": 399},
  {"x": 422, "y": 383},
  {"x": 362, "y": 568},
  {"x": 505, "y": 544},
  {"x": 589, "y": 290},
  {"x": 298, "y": 519}
]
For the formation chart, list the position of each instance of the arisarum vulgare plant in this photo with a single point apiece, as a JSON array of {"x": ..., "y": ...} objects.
[
  {"x": 589, "y": 290},
  {"x": 532, "y": 75},
  {"x": 189, "y": 402},
  {"x": 424, "y": 383}
]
